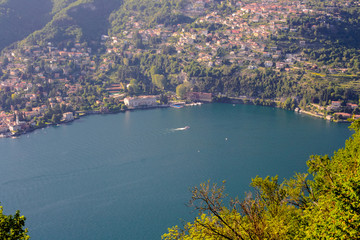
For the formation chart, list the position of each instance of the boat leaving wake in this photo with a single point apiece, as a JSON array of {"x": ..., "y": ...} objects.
[{"x": 181, "y": 129}]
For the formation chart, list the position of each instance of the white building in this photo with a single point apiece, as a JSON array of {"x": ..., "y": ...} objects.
[
  {"x": 268, "y": 64},
  {"x": 68, "y": 116},
  {"x": 14, "y": 127},
  {"x": 335, "y": 105},
  {"x": 140, "y": 101}
]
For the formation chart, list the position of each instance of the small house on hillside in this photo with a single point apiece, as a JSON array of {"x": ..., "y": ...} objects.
[
  {"x": 352, "y": 105},
  {"x": 335, "y": 105},
  {"x": 342, "y": 115}
]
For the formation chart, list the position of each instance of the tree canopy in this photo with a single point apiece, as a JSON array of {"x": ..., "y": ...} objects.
[{"x": 11, "y": 226}]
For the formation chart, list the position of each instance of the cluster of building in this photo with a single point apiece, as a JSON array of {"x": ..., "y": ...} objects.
[
  {"x": 11, "y": 125},
  {"x": 48, "y": 60},
  {"x": 33, "y": 66},
  {"x": 25, "y": 73},
  {"x": 338, "y": 108},
  {"x": 41, "y": 77},
  {"x": 244, "y": 34}
]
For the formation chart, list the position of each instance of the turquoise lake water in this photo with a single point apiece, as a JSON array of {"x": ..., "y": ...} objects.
[{"x": 128, "y": 175}]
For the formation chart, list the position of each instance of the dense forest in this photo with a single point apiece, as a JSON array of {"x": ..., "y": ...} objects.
[
  {"x": 19, "y": 18},
  {"x": 80, "y": 20}
]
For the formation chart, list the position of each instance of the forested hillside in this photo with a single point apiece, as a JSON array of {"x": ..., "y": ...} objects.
[
  {"x": 19, "y": 18},
  {"x": 79, "y": 21},
  {"x": 321, "y": 204}
]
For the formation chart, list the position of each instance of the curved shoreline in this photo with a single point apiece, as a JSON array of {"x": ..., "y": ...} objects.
[{"x": 243, "y": 101}]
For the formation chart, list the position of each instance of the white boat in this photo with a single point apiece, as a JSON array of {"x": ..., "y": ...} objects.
[{"x": 181, "y": 129}]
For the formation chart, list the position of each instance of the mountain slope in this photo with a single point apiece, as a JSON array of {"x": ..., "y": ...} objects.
[
  {"x": 81, "y": 20},
  {"x": 19, "y": 18}
]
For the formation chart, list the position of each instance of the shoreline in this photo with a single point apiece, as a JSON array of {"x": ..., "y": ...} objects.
[
  {"x": 322, "y": 116},
  {"x": 232, "y": 101},
  {"x": 312, "y": 114},
  {"x": 80, "y": 115},
  {"x": 275, "y": 104}
]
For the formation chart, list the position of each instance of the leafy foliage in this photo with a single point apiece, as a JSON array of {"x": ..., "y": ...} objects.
[
  {"x": 80, "y": 20},
  {"x": 11, "y": 226},
  {"x": 151, "y": 12}
]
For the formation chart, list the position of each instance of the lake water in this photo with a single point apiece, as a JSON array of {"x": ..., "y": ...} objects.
[{"x": 128, "y": 175}]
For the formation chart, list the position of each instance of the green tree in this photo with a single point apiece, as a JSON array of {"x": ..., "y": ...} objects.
[
  {"x": 163, "y": 99},
  {"x": 5, "y": 62},
  {"x": 181, "y": 90},
  {"x": 159, "y": 80},
  {"x": 55, "y": 118},
  {"x": 11, "y": 226},
  {"x": 133, "y": 87},
  {"x": 126, "y": 61}
]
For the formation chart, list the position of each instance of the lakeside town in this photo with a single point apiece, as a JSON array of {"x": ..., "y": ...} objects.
[{"x": 48, "y": 84}]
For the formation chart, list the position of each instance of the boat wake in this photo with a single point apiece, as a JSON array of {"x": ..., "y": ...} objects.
[{"x": 181, "y": 129}]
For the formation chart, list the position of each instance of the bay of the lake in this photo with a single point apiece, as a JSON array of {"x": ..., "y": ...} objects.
[{"x": 128, "y": 175}]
